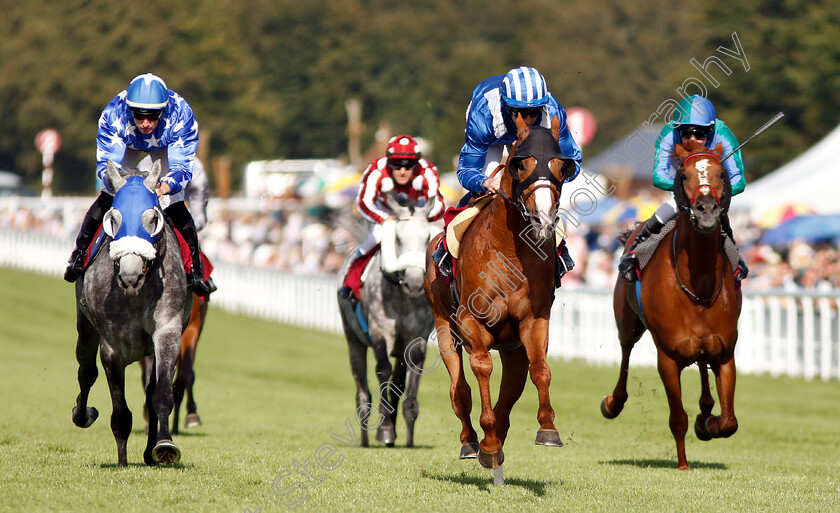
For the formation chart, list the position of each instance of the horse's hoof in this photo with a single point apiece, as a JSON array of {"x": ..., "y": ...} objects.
[
  {"x": 491, "y": 459},
  {"x": 92, "y": 415},
  {"x": 166, "y": 452},
  {"x": 702, "y": 432},
  {"x": 469, "y": 451},
  {"x": 548, "y": 437},
  {"x": 192, "y": 420},
  {"x": 386, "y": 435},
  {"x": 606, "y": 412}
]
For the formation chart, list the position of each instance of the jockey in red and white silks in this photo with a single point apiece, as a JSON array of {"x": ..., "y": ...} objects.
[{"x": 401, "y": 170}]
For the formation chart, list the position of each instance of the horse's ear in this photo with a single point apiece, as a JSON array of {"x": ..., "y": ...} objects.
[
  {"x": 718, "y": 150},
  {"x": 522, "y": 128},
  {"x": 681, "y": 152},
  {"x": 154, "y": 175},
  {"x": 555, "y": 128},
  {"x": 114, "y": 177}
]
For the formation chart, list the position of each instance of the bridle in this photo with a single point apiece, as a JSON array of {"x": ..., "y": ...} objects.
[{"x": 703, "y": 187}]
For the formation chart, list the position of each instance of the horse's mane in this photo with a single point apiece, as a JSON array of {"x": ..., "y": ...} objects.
[{"x": 625, "y": 235}]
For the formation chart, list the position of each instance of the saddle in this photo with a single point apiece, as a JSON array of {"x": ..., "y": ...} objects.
[{"x": 644, "y": 250}]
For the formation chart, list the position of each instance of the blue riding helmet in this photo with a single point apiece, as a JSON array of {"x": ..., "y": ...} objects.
[
  {"x": 694, "y": 110},
  {"x": 524, "y": 87},
  {"x": 147, "y": 92}
]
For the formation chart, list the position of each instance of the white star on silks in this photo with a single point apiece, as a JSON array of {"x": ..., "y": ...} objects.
[
  {"x": 178, "y": 126},
  {"x": 153, "y": 141},
  {"x": 129, "y": 129},
  {"x": 184, "y": 183},
  {"x": 118, "y": 124},
  {"x": 195, "y": 126},
  {"x": 115, "y": 138},
  {"x": 166, "y": 126},
  {"x": 179, "y": 142}
]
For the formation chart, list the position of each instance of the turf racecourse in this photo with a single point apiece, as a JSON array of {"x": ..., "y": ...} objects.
[{"x": 271, "y": 396}]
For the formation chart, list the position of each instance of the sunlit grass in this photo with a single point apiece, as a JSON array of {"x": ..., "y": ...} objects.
[{"x": 270, "y": 396}]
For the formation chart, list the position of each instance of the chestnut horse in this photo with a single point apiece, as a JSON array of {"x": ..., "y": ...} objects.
[
  {"x": 505, "y": 279},
  {"x": 688, "y": 300}
]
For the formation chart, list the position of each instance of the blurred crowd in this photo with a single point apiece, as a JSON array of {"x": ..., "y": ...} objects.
[{"x": 310, "y": 239}]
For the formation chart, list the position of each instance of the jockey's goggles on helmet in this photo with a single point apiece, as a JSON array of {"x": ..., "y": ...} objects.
[
  {"x": 529, "y": 111},
  {"x": 686, "y": 131},
  {"x": 150, "y": 114},
  {"x": 402, "y": 163}
]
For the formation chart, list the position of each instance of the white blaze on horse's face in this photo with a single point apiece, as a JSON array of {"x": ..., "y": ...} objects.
[
  {"x": 702, "y": 167},
  {"x": 545, "y": 208}
]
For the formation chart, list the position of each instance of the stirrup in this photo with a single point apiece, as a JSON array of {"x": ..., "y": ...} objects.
[
  {"x": 77, "y": 265},
  {"x": 627, "y": 266},
  {"x": 443, "y": 263},
  {"x": 196, "y": 285}
]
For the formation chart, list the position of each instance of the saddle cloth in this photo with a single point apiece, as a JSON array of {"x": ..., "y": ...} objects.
[{"x": 645, "y": 250}]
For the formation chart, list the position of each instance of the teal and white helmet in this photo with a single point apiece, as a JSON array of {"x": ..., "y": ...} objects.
[
  {"x": 524, "y": 87},
  {"x": 147, "y": 92}
]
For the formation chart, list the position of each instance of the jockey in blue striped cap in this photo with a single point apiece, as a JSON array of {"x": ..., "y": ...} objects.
[
  {"x": 491, "y": 129},
  {"x": 146, "y": 118},
  {"x": 694, "y": 118}
]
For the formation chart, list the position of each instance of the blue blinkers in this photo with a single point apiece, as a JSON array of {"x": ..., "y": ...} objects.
[{"x": 132, "y": 200}]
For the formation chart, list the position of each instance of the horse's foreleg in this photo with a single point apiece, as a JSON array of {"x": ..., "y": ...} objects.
[
  {"x": 726, "y": 424},
  {"x": 416, "y": 354},
  {"x": 707, "y": 402},
  {"x": 490, "y": 455},
  {"x": 460, "y": 393},
  {"x": 358, "y": 368},
  {"x": 167, "y": 341},
  {"x": 514, "y": 376},
  {"x": 535, "y": 340},
  {"x": 86, "y": 345},
  {"x": 386, "y": 433},
  {"x": 669, "y": 371},
  {"x": 630, "y": 330},
  {"x": 120, "y": 415}
]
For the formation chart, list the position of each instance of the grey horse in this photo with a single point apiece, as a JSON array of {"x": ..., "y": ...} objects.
[
  {"x": 399, "y": 320},
  {"x": 132, "y": 301}
]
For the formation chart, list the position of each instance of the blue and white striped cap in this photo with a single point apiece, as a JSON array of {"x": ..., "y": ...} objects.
[{"x": 524, "y": 87}]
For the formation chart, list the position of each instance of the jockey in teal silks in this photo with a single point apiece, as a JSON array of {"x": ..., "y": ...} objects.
[
  {"x": 694, "y": 118},
  {"x": 491, "y": 129}
]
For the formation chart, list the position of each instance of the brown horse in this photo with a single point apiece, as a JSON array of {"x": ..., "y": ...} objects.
[
  {"x": 688, "y": 301},
  {"x": 185, "y": 376},
  {"x": 505, "y": 279}
]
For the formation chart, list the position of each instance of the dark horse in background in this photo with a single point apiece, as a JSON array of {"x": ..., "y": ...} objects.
[
  {"x": 399, "y": 322},
  {"x": 132, "y": 301},
  {"x": 505, "y": 281},
  {"x": 688, "y": 299}
]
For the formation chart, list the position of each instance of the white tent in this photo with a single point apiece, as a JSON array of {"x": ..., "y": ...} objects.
[{"x": 812, "y": 178}]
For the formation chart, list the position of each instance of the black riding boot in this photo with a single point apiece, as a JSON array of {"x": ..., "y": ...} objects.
[
  {"x": 92, "y": 221},
  {"x": 564, "y": 264},
  {"x": 183, "y": 221},
  {"x": 726, "y": 231},
  {"x": 443, "y": 260},
  {"x": 627, "y": 264}
]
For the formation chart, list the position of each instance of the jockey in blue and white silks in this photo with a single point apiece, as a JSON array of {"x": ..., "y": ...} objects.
[
  {"x": 177, "y": 134},
  {"x": 491, "y": 130},
  {"x": 146, "y": 118},
  {"x": 694, "y": 118}
]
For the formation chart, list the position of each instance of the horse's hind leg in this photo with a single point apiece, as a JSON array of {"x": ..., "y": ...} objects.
[
  {"x": 514, "y": 376},
  {"x": 669, "y": 371},
  {"x": 707, "y": 402},
  {"x": 121, "y": 415},
  {"x": 86, "y": 345},
  {"x": 185, "y": 376},
  {"x": 725, "y": 425},
  {"x": 386, "y": 432},
  {"x": 630, "y": 330}
]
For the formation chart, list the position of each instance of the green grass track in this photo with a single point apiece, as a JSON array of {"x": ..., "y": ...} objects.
[{"x": 272, "y": 397}]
